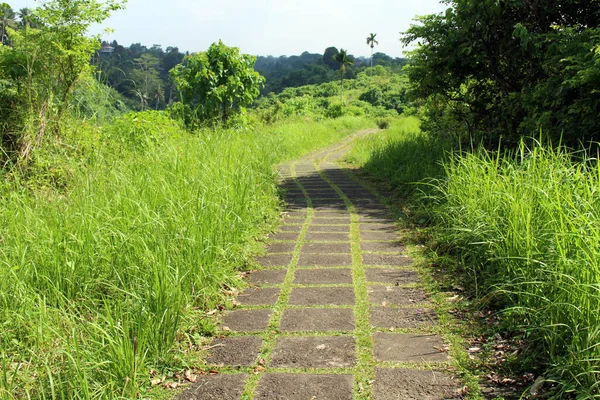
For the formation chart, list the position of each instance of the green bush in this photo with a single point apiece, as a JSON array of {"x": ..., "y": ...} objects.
[{"x": 141, "y": 130}]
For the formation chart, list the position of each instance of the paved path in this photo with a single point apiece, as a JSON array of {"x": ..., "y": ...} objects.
[{"x": 337, "y": 312}]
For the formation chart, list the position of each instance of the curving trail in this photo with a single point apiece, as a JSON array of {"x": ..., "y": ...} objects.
[{"x": 337, "y": 312}]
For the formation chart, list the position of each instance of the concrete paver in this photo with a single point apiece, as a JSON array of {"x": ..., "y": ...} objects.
[
  {"x": 314, "y": 352},
  {"x": 396, "y": 296},
  {"x": 415, "y": 385},
  {"x": 314, "y": 336},
  {"x": 322, "y": 296},
  {"x": 266, "y": 277},
  {"x": 417, "y": 348},
  {"x": 317, "y": 319},
  {"x": 323, "y": 276},
  {"x": 280, "y": 386},
  {"x": 236, "y": 351},
  {"x": 247, "y": 320},
  {"x": 216, "y": 387},
  {"x": 324, "y": 260}
]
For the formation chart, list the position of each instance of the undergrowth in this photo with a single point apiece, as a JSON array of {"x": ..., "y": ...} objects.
[
  {"x": 102, "y": 272},
  {"x": 522, "y": 230}
]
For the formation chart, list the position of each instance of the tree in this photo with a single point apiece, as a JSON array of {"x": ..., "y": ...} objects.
[
  {"x": 217, "y": 83},
  {"x": 372, "y": 42},
  {"x": 344, "y": 59},
  {"x": 43, "y": 65},
  {"x": 148, "y": 85},
  {"x": 24, "y": 15},
  {"x": 508, "y": 69},
  {"x": 7, "y": 19},
  {"x": 329, "y": 57}
]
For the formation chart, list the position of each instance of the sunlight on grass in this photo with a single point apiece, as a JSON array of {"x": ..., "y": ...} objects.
[{"x": 98, "y": 277}]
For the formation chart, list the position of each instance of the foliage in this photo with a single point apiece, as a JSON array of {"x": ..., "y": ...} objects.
[
  {"x": 322, "y": 101},
  {"x": 111, "y": 275},
  {"x": 402, "y": 156},
  {"x": 344, "y": 59},
  {"x": 95, "y": 101},
  {"x": 42, "y": 66},
  {"x": 7, "y": 19},
  {"x": 506, "y": 69},
  {"x": 371, "y": 42},
  {"x": 217, "y": 83},
  {"x": 139, "y": 73},
  {"x": 526, "y": 225}
]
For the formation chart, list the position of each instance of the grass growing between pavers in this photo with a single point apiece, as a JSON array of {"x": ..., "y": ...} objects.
[
  {"x": 365, "y": 369},
  {"x": 280, "y": 339},
  {"x": 272, "y": 333}
]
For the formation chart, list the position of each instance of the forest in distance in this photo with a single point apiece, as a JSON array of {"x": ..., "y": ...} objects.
[{"x": 137, "y": 184}]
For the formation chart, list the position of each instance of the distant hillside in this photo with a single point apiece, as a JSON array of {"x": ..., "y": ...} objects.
[{"x": 311, "y": 69}]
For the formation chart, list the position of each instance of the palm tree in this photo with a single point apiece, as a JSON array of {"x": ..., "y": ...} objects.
[
  {"x": 24, "y": 15},
  {"x": 343, "y": 58},
  {"x": 372, "y": 42},
  {"x": 7, "y": 18}
]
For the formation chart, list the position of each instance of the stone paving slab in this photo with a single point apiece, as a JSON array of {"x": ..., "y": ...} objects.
[
  {"x": 314, "y": 352},
  {"x": 317, "y": 319},
  {"x": 247, "y": 320},
  {"x": 275, "y": 260},
  {"x": 280, "y": 386},
  {"x": 379, "y": 216},
  {"x": 329, "y": 228},
  {"x": 291, "y": 228},
  {"x": 394, "y": 276},
  {"x": 327, "y": 237},
  {"x": 323, "y": 276},
  {"x": 321, "y": 296},
  {"x": 412, "y": 348},
  {"x": 266, "y": 277},
  {"x": 377, "y": 226},
  {"x": 326, "y": 248},
  {"x": 295, "y": 215},
  {"x": 396, "y": 296},
  {"x": 235, "y": 351},
  {"x": 401, "y": 318},
  {"x": 331, "y": 221},
  {"x": 329, "y": 208},
  {"x": 370, "y": 235},
  {"x": 258, "y": 297},
  {"x": 332, "y": 214},
  {"x": 384, "y": 247},
  {"x": 216, "y": 387},
  {"x": 406, "y": 384},
  {"x": 387, "y": 259},
  {"x": 285, "y": 236},
  {"x": 282, "y": 247},
  {"x": 324, "y": 260}
]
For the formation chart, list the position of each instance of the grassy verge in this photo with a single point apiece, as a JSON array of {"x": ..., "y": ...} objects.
[
  {"x": 126, "y": 234},
  {"x": 520, "y": 232}
]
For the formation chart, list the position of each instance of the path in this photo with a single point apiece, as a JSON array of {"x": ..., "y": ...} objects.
[{"x": 337, "y": 312}]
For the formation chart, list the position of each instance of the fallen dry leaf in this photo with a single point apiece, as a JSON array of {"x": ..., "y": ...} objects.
[
  {"x": 156, "y": 381},
  {"x": 190, "y": 377},
  {"x": 171, "y": 385}
]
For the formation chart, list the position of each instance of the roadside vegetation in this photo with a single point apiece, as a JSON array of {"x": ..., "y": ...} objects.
[
  {"x": 120, "y": 230},
  {"x": 501, "y": 178}
]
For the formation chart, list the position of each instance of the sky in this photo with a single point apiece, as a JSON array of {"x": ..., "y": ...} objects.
[{"x": 264, "y": 27}]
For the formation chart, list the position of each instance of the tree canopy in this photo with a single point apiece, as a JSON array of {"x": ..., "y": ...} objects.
[
  {"x": 488, "y": 68},
  {"x": 217, "y": 83}
]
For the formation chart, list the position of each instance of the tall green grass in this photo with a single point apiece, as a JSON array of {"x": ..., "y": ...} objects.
[
  {"x": 525, "y": 226},
  {"x": 401, "y": 156},
  {"x": 529, "y": 223},
  {"x": 100, "y": 274}
]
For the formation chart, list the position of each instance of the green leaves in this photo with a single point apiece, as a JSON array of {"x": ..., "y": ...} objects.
[
  {"x": 217, "y": 83},
  {"x": 496, "y": 68}
]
